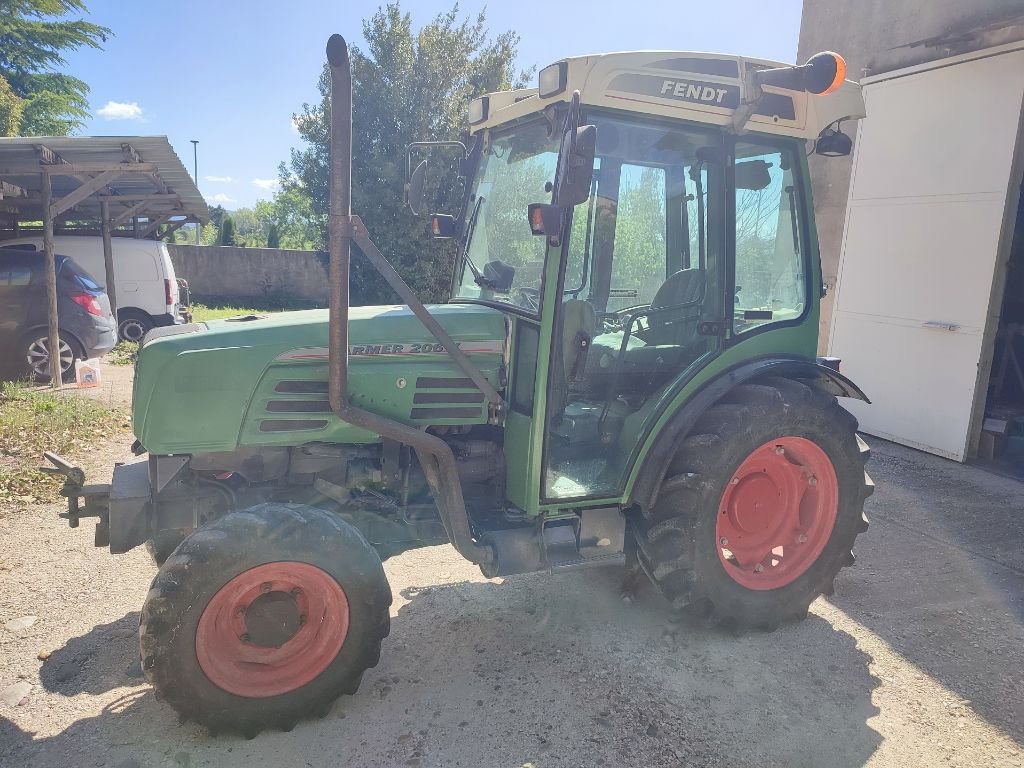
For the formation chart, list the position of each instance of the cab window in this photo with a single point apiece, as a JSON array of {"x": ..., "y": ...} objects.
[{"x": 771, "y": 285}]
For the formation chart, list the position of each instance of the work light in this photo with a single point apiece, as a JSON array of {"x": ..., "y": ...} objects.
[
  {"x": 551, "y": 80},
  {"x": 478, "y": 110}
]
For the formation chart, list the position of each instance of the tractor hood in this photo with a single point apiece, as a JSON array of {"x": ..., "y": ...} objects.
[{"x": 256, "y": 380}]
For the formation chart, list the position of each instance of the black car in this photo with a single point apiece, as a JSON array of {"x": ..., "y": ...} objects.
[{"x": 87, "y": 328}]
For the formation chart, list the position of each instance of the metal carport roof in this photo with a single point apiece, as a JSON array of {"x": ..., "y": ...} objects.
[
  {"x": 112, "y": 181},
  {"x": 140, "y": 177}
]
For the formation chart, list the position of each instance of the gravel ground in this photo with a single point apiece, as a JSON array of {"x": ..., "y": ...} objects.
[{"x": 917, "y": 660}]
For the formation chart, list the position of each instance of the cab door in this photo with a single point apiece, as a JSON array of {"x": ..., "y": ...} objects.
[{"x": 641, "y": 284}]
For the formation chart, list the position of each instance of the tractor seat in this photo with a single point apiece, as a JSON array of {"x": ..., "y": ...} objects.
[{"x": 658, "y": 343}]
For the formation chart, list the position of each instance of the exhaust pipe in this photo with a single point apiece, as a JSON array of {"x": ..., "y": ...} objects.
[{"x": 435, "y": 455}]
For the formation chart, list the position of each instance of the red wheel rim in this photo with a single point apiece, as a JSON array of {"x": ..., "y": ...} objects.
[
  {"x": 777, "y": 513},
  {"x": 272, "y": 629}
]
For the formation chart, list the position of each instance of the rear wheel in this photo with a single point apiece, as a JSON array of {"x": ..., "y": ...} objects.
[
  {"x": 36, "y": 356},
  {"x": 760, "y": 508},
  {"x": 263, "y": 618},
  {"x": 132, "y": 325}
]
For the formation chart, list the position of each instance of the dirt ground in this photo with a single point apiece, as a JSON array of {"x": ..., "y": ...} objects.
[{"x": 917, "y": 660}]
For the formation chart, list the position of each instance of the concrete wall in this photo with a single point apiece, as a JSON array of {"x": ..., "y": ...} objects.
[
  {"x": 877, "y": 36},
  {"x": 261, "y": 273}
]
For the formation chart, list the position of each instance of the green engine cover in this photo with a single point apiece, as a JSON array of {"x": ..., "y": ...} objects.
[{"x": 248, "y": 381}]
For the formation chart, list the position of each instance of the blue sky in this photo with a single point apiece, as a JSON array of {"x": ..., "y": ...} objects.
[{"x": 231, "y": 73}]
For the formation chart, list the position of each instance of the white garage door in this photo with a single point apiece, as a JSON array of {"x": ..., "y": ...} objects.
[{"x": 933, "y": 169}]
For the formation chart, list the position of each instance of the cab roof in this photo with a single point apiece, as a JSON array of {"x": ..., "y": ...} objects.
[{"x": 702, "y": 87}]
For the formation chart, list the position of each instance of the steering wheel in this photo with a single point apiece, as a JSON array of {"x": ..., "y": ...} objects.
[{"x": 528, "y": 298}]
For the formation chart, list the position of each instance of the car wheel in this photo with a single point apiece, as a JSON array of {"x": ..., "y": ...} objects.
[
  {"x": 133, "y": 325},
  {"x": 36, "y": 354}
]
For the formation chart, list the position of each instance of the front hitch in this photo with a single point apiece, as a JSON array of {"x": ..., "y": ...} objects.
[{"x": 83, "y": 500}]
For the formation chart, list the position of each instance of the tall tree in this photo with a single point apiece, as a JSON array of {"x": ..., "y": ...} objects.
[
  {"x": 11, "y": 109},
  {"x": 34, "y": 37},
  {"x": 227, "y": 231},
  {"x": 273, "y": 236},
  {"x": 408, "y": 85}
]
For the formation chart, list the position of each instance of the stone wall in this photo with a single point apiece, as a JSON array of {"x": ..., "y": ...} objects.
[{"x": 252, "y": 273}]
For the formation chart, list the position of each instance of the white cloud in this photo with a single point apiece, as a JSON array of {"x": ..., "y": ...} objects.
[
  {"x": 120, "y": 110},
  {"x": 295, "y": 123},
  {"x": 265, "y": 183},
  {"x": 220, "y": 198},
  {"x": 219, "y": 179}
]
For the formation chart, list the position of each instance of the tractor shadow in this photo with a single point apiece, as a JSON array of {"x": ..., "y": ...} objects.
[
  {"x": 940, "y": 577},
  {"x": 102, "y": 659},
  {"x": 550, "y": 670}
]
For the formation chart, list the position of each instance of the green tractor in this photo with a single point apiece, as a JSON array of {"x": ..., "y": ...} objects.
[{"x": 625, "y": 375}]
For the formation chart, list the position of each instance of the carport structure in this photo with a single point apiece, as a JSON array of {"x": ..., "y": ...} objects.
[{"x": 122, "y": 186}]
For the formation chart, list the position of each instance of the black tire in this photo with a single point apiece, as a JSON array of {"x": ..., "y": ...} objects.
[
  {"x": 677, "y": 538},
  {"x": 214, "y": 555},
  {"x": 37, "y": 343},
  {"x": 163, "y": 544},
  {"x": 133, "y": 325}
]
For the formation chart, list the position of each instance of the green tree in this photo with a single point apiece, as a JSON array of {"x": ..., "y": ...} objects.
[
  {"x": 34, "y": 37},
  {"x": 292, "y": 213},
  {"x": 227, "y": 231},
  {"x": 249, "y": 230},
  {"x": 273, "y": 236},
  {"x": 11, "y": 109},
  {"x": 407, "y": 86}
]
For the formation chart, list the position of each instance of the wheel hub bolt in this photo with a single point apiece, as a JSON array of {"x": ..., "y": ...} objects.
[
  {"x": 240, "y": 610},
  {"x": 779, "y": 450},
  {"x": 802, "y": 538},
  {"x": 724, "y": 541},
  {"x": 266, "y": 586},
  {"x": 812, "y": 480},
  {"x": 735, "y": 481},
  {"x": 758, "y": 568},
  {"x": 244, "y": 638}
]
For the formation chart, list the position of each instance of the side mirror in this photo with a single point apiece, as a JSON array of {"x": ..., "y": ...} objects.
[
  {"x": 575, "y": 174},
  {"x": 437, "y": 182},
  {"x": 575, "y": 170},
  {"x": 414, "y": 189}
]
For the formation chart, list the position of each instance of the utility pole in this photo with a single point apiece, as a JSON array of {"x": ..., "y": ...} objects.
[{"x": 195, "y": 174}]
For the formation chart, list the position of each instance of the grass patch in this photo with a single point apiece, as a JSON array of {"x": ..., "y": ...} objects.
[
  {"x": 124, "y": 353},
  {"x": 202, "y": 313},
  {"x": 219, "y": 308},
  {"x": 33, "y": 421}
]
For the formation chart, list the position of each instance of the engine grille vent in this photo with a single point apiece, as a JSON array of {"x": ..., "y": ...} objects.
[{"x": 446, "y": 407}]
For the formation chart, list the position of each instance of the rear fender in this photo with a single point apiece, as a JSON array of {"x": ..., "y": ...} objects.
[{"x": 648, "y": 482}]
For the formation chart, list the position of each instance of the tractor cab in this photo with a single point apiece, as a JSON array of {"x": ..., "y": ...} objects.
[{"x": 691, "y": 237}]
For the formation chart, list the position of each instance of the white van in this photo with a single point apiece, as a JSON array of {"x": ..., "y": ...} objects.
[{"x": 147, "y": 289}]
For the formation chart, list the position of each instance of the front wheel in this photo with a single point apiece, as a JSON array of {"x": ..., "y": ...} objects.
[
  {"x": 760, "y": 508},
  {"x": 263, "y": 618}
]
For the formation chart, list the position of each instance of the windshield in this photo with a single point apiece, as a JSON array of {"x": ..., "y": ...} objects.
[{"x": 503, "y": 260}]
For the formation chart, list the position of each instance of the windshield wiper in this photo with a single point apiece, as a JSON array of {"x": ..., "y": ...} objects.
[{"x": 478, "y": 276}]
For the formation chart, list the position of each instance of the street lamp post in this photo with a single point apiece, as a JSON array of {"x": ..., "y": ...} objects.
[{"x": 195, "y": 174}]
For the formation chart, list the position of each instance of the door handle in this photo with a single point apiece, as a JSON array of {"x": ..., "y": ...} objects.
[{"x": 942, "y": 325}]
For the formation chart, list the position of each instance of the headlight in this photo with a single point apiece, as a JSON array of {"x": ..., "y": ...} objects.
[
  {"x": 478, "y": 109},
  {"x": 551, "y": 80}
]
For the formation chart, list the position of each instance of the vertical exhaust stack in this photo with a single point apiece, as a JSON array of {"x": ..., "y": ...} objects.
[
  {"x": 339, "y": 221},
  {"x": 434, "y": 454}
]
